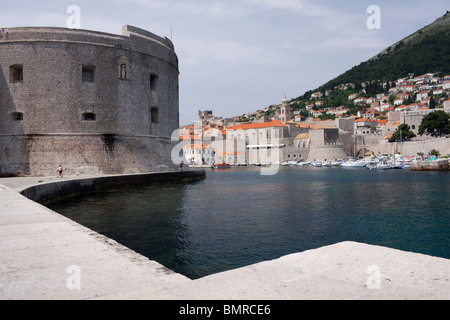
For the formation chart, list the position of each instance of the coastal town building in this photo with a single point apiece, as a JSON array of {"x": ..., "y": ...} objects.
[{"x": 327, "y": 134}]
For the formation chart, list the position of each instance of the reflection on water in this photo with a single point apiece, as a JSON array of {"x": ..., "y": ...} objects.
[{"x": 237, "y": 217}]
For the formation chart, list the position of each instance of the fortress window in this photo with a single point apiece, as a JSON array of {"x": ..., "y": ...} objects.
[
  {"x": 89, "y": 116},
  {"x": 153, "y": 82},
  {"x": 154, "y": 113},
  {"x": 123, "y": 62},
  {"x": 88, "y": 73},
  {"x": 17, "y": 116},
  {"x": 16, "y": 73},
  {"x": 123, "y": 72}
]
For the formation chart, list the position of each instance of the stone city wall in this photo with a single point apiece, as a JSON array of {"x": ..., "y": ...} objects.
[{"x": 413, "y": 147}]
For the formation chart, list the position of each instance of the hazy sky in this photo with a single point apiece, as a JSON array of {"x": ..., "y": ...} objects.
[{"x": 238, "y": 56}]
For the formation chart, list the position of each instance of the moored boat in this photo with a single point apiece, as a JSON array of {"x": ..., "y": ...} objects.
[
  {"x": 353, "y": 164},
  {"x": 383, "y": 166},
  {"x": 222, "y": 166}
]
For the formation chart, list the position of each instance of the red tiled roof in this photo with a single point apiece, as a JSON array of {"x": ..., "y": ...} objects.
[
  {"x": 365, "y": 120},
  {"x": 274, "y": 123},
  {"x": 196, "y": 146}
]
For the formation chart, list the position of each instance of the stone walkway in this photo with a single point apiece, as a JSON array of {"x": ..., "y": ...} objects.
[{"x": 44, "y": 255}]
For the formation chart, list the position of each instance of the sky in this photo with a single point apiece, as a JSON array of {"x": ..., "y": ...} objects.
[{"x": 240, "y": 56}]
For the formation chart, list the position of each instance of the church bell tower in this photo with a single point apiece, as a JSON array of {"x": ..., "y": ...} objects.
[{"x": 285, "y": 111}]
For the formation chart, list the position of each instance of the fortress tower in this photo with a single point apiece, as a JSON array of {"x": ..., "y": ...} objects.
[{"x": 90, "y": 101}]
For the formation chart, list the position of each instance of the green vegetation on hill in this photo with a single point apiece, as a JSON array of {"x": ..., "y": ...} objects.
[
  {"x": 432, "y": 54},
  {"x": 427, "y": 50}
]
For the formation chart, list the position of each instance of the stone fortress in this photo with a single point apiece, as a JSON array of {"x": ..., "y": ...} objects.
[{"x": 92, "y": 102}]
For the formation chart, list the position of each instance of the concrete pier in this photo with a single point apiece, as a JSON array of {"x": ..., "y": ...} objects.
[
  {"x": 435, "y": 165},
  {"x": 44, "y": 255}
]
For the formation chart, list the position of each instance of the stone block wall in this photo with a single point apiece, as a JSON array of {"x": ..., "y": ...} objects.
[{"x": 73, "y": 94}]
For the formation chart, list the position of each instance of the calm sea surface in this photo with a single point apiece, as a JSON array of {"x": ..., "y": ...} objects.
[{"x": 238, "y": 217}]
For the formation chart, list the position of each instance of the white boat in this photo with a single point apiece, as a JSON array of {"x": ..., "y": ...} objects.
[
  {"x": 353, "y": 164},
  {"x": 317, "y": 164},
  {"x": 398, "y": 165},
  {"x": 383, "y": 166},
  {"x": 326, "y": 164}
]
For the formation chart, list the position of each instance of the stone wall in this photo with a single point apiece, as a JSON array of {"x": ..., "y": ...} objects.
[
  {"x": 327, "y": 153},
  {"x": 117, "y": 120},
  {"x": 413, "y": 147},
  {"x": 326, "y": 146},
  {"x": 55, "y": 191}
]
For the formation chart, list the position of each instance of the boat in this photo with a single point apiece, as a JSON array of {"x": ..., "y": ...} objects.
[
  {"x": 383, "y": 166},
  {"x": 317, "y": 164},
  {"x": 398, "y": 165},
  {"x": 336, "y": 163},
  {"x": 353, "y": 164},
  {"x": 326, "y": 164},
  {"x": 222, "y": 166}
]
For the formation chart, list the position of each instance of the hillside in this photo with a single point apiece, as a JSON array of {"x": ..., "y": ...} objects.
[{"x": 427, "y": 50}]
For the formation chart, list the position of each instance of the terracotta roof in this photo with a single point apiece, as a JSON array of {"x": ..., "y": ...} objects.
[
  {"x": 302, "y": 136},
  {"x": 365, "y": 120},
  {"x": 274, "y": 123},
  {"x": 189, "y": 137},
  {"x": 306, "y": 126},
  {"x": 196, "y": 146}
]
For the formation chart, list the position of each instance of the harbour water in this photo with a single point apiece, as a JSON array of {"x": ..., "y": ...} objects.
[{"x": 237, "y": 217}]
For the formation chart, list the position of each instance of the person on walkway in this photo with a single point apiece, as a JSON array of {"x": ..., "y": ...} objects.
[{"x": 60, "y": 171}]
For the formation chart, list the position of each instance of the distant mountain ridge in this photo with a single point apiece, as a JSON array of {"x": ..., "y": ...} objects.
[{"x": 425, "y": 51}]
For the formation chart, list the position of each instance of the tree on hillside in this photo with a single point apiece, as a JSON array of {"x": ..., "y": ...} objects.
[
  {"x": 432, "y": 103},
  {"x": 403, "y": 133},
  {"x": 435, "y": 124}
]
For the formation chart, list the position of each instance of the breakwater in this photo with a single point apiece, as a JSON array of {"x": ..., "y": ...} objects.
[{"x": 56, "y": 191}]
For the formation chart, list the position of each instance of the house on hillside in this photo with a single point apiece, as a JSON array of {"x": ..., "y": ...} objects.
[
  {"x": 371, "y": 114},
  {"x": 360, "y": 100},
  {"x": 364, "y": 126},
  {"x": 422, "y": 95}
]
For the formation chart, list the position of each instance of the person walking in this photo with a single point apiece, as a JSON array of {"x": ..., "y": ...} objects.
[{"x": 60, "y": 171}]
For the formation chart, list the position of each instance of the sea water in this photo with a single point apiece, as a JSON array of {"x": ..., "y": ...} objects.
[{"x": 237, "y": 217}]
